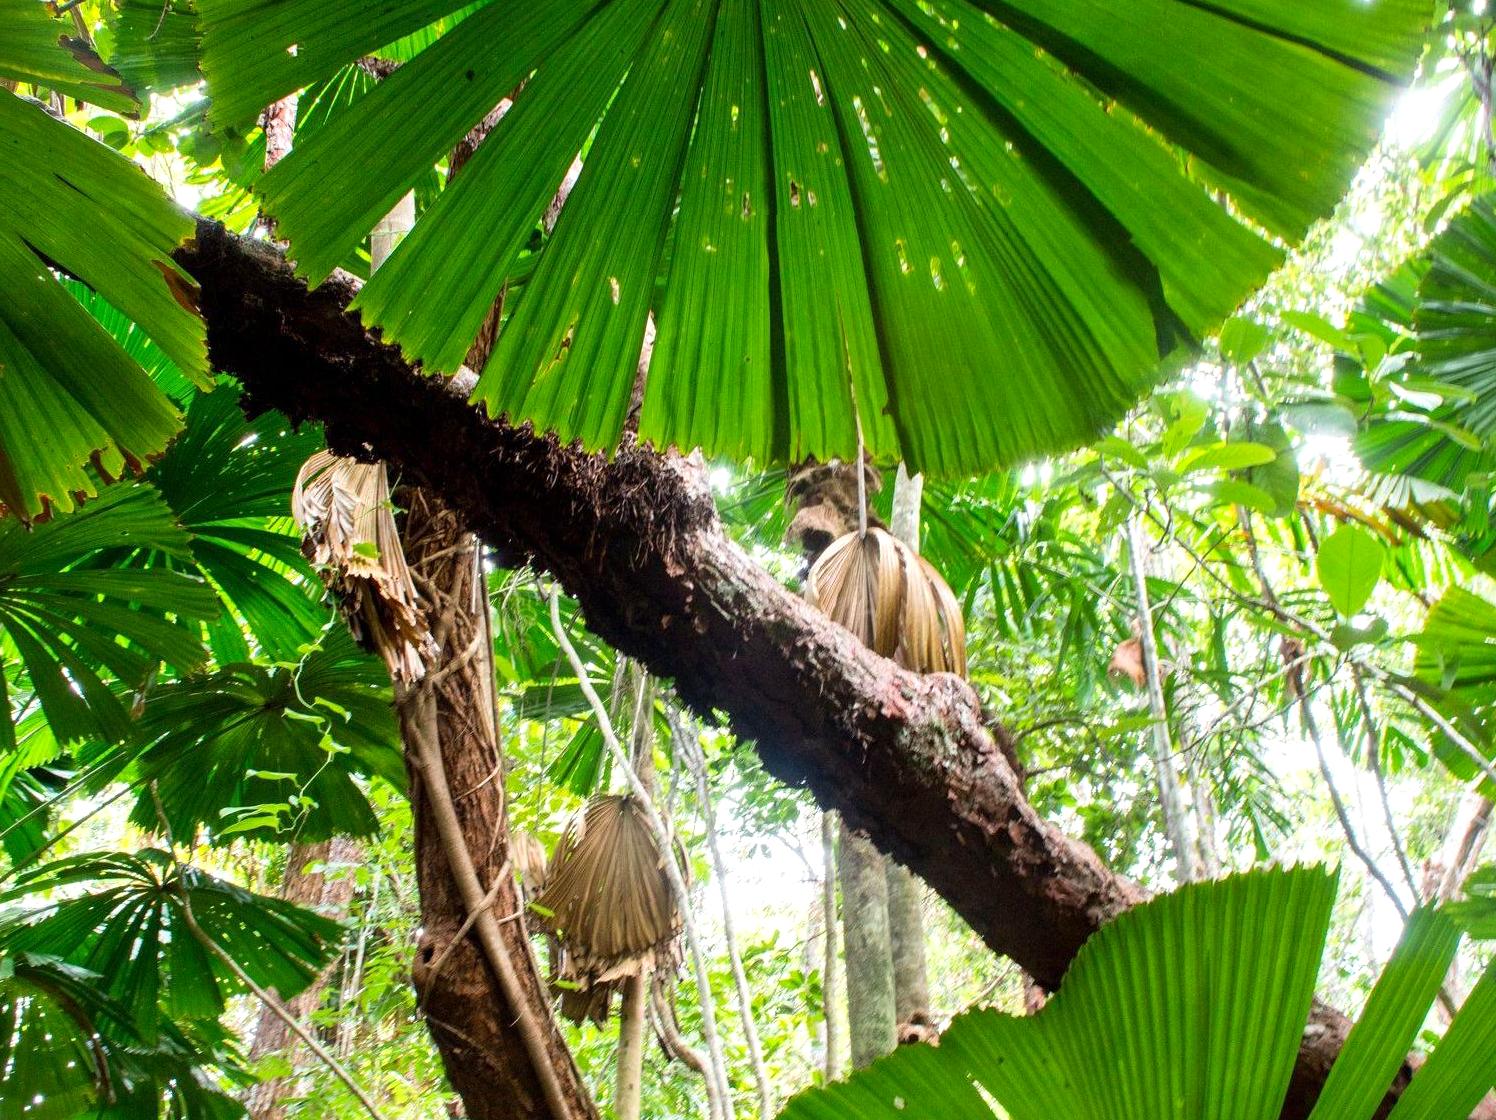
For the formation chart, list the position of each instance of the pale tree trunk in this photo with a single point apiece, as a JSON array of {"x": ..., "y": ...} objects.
[
  {"x": 1177, "y": 822},
  {"x": 307, "y": 883},
  {"x": 830, "y": 498},
  {"x": 871, "y": 1026},
  {"x": 906, "y": 917},
  {"x": 830, "y": 993},
  {"x": 630, "y": 1049},
  {"x": 629, "y": 1061}
]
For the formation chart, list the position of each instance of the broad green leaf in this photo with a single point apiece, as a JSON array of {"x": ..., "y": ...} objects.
[
  {"x": 1318, "y": 327},
  {"x": 1455, "y": 663},
  {"x": 1462, "y": 1068},
  {"x": 1279, "y": 478},
  {"x": 1476, "y": 913},
  {"x": 1243, "y": 339},
  {"x": 1234, "y": 492},
  {"x": 69, "y": 393},
  {"x": 257, "y": 51},
  {"x": 1379, "y": 1042},
  {"x": 1350, "y": 567},
  {"x": 1191, "y": 1005},
  {"x": 40, "y": 49},
  {"x": 129, "y": 927},
  {"x": 521, "y": 163},
  {"x": 329, "y": 197},
  {"x": 977, "y": 238},
  {"x": 82, "y": 630},
  {"x": 220, "y": 742},
  {"x": 1457, "y": 648},
  {"x": 1119, "y": 448},
  {"x": 1186, "y": 415},
  {"x": 568, "y": 336},
  {"x": 1448, "y": 297},
  {"x": 155, "y": 44},
  {"x": 227, "y": 479},
  {"x": 1234, "y": 456}
]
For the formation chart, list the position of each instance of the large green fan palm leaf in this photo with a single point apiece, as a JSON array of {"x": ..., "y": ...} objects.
[
  {"x": 973, "y": 229},
  {"x": 1190, "y": 1006},
  {"x": 81, "y": 629}
]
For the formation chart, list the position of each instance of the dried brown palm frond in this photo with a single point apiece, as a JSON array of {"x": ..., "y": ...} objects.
[
  {"x": 343, "y": 508},
  {"x": 892, "y": 599},
  {"x": 608, "y": 899}
]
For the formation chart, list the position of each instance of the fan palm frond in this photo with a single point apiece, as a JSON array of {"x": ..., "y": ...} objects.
[
  {"x": 892, "y": 599},
  {"x": 608, "y": 899}
]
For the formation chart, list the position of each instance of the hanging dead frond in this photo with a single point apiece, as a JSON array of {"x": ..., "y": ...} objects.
[
  {"x": 892, "y": 599},
  {"x": 343, "y": 507},
  {"x": 608, "y": 899}
]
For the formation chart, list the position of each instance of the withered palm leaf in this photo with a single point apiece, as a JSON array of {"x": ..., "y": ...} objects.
[
  {"x": 892, "y": 599},
  {"x": 608, "y": 900},
  {"x": 343, "y": 507}
]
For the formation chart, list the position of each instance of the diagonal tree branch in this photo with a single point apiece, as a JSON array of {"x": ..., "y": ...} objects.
[{"x": 911, "y": 760}]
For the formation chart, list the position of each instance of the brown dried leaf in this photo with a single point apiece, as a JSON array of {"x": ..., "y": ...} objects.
[
  {"x": 892, "y": 600},
  {"x": 608, "y": 899}
]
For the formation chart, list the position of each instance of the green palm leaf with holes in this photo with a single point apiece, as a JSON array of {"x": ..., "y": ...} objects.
[
  {"x": 82, "y": 629},
  {"x": 226, "y": 478},
  {"x": 69, "y": 393},
  {"x": 40, "y": 50},
  {"x": 129, "y": 927},
  {"x": 1192, "y": 1005},
  {"x": 267, "y": 751},
  {"x": 974, "y": 228}
]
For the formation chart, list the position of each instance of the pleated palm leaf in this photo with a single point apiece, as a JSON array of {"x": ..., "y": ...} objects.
[
  {"x": 1429, "y": 412},
  {"x": 344, "y": 508},
  {"x": 608, "y": 899},
  {"x": 892, "y": 599},
  {"x": 1192, "y": 1006},
  {"x": 976, "y": 226}
]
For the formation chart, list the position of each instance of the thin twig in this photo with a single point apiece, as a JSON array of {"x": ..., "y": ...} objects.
[{"x": 696, "y": 763}]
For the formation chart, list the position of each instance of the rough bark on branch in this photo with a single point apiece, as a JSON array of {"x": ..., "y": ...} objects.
[{"x": 910, "y": 760}]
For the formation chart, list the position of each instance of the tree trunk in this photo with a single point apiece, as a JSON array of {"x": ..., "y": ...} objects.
[
  {"x": 635, "y": 536},
  {"x": 329, "y": 896},
  {"x": 906, "y": 915},
  {"x": 478, "y": 1031},
  {"x": 830, "y": 995},
  {"x": 870, "y": 1008},
  {"x": 906, "y": 925},
  {"x": 630, "y": 1082}
]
